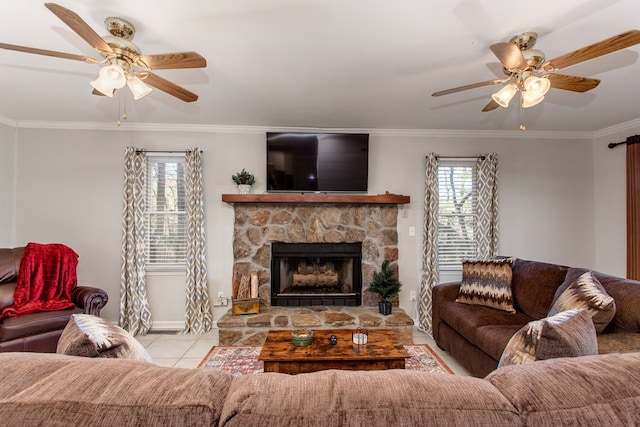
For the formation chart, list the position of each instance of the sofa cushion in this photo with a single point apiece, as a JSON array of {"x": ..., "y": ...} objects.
[
  {"x": 487, "y": 283},
  {"x": 10, "y": 264},
  {"x": 591, "y": 390},
  {"x": 618, "y": 342},
  {"x": 90, "y": 336},
  {"x": 586, "y": 292},
  {"x": 54, "y": 389},
  {"x": 364, "y": 398},
  {"x": 6, "y": 294},
  {"x": 567, "y": 334},
  {"x": 470, "y": 320},
  {"x": 534, "y": 285},
  {"x": 12, "y": 328}
]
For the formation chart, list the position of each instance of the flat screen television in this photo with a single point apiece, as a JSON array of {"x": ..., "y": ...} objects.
[{"x": 317, "y": 162}]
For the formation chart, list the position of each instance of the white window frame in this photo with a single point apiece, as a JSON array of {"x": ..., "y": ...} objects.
[
  {"x": 445, "y": 216},
  {"x": 171, "y": 211}
]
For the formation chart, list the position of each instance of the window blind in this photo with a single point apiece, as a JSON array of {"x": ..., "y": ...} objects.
[
  {"x": 456, "y": 212},
  {"x": 166, "y": 211}
]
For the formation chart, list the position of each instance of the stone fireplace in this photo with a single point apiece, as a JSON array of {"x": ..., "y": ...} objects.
[
  {"x": 260, "y": 226},
  {"x": 267, "y": 222}
]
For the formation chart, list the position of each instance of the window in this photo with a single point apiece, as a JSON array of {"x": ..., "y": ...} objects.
[
  {"x": 456, "y": 212},
  {"x": 166, "y": 212}
]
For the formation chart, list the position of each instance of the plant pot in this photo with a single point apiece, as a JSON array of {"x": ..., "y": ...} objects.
[
  {"x": 244, "y": 188},
  {"x": 384, "y": 307}
]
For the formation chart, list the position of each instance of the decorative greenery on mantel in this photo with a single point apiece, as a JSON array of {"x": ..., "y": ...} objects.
[{"x": 243, "y": 178}]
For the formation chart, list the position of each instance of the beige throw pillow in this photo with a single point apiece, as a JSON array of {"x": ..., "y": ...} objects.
[
  {"x": 567, "y": 334},
  {"x": 487, "y": 283},
  {"x": 586, "y": 292},
  {"x": 90, "y": 336}
]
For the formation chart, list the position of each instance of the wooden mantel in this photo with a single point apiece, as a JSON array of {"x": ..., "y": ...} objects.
[{"x": 381, "y": 199}]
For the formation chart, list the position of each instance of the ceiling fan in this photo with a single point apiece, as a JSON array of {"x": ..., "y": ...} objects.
[
  {"x": 529, "y": 73},
  {"x": 124, "y": 62}
]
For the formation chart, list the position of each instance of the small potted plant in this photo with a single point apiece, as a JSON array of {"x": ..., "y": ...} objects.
[
  {"x": 386, "y": 284},
  {"x": 244, "y": 180}
]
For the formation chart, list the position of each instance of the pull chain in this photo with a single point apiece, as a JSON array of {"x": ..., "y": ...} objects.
[
  {"x": 522, "y": 128},
  {"x": 122, "y": 99}
]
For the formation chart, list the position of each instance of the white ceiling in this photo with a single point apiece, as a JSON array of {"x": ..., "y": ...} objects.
[{"x": 360, "y": 64}]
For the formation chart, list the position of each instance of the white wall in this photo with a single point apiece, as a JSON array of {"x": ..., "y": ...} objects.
[
  {"x": 69, "y": 190},
  {"x": 610, "y": 201},
  {"x": 7, "y": 185}
]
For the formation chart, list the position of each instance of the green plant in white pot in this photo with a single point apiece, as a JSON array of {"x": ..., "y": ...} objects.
[
  {"x": 386, "y": 284},
  {"x": 244, "y": 180}
]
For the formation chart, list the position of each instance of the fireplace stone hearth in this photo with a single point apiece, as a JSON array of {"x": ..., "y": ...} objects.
[{"x": 252, "y": 329}]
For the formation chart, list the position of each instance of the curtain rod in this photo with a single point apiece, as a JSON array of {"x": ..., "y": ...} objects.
[
  {"x": 165, "y": 151},
  {"x": 462, "y": 157},
  {"x": 630, "y": 140},
  {"x": 615, "y": 144}
]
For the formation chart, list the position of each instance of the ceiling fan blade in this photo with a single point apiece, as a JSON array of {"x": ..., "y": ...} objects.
[
  {"x": 604, "y": 47},
  {"x": 166, "y": 61},
  {"x": 572, "y": 83},
  {"x": 48, "y": 53},
  {"x": 79, "y": 27},
  {"x": 97, "y": 93},
  {"x": 492, "y": 105},
  {"x": 470, "y": 86},
  {"x": 168, "y": 87},
  {"x": 510, "y": 56}
]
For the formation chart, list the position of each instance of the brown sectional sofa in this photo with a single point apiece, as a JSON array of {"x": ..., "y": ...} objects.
[
  {"x": 57, "y": 390},
  {"x": 476, "y": 335}
]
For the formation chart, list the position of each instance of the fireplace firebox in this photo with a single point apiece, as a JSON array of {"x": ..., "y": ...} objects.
[{"x": 308, "y": 274}]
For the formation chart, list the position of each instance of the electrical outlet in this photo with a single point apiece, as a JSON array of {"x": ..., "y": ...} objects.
[
  {"x": 220, "y": 301},
  {"x": 412, "y": 231},
  {"x": 412, "y": 295}
]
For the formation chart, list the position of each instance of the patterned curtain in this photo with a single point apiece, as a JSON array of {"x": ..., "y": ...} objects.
[
  {"x": 429, "y": 244},
  {"x": 135, "y": 315},
  {"x": 487, "y": 218},
  {"x": 198, "y": 314}
]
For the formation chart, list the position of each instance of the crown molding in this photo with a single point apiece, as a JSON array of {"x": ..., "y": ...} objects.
[
  {"x": 631, "y": 125},
  {"x": 432, "y": 133},
  {"x": 8, "y": 122}
]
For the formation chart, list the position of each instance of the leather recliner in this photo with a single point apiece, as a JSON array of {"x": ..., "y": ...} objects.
[{"x": 38, "y": 332}]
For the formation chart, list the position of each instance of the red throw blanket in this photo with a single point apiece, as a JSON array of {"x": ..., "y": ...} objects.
[{"x": 46, "y": 278}]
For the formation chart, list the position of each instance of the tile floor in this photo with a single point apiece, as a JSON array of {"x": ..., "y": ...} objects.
[{"x": 186, "y": 351}]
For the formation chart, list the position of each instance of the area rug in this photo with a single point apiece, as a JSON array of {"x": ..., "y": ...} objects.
[{"x": 244, "y": 360}]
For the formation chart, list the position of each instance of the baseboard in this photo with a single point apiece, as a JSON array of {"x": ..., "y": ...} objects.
[
  {"x": 172, "y": 325},
  {"x": 175, "y": 325}
]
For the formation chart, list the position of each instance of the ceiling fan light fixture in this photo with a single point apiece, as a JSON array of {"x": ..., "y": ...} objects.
[
  {"x": 536, "y": 86},
  {"x": 114, "y": 76},
  {"x": 138, "y": 88},
  {"x": 530, "y": 101},
  {"x": 104, "y": 88},
  {"x": 504, "y": 95}
]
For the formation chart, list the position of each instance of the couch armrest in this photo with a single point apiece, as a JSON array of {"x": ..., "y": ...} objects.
[
  {"x": 439, "y": 294},
  {"x": 90, "y": 299}
]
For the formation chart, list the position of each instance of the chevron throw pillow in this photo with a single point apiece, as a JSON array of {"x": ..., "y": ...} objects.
[{"x": 487, "y": 283}]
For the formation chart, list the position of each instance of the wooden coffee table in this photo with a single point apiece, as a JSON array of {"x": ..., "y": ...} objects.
[{"x": 383, "y": 351}]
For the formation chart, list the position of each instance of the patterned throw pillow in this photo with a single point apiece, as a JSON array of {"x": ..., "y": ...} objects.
[
  {"x": 567, "y": 334},
  {"x": 586, "y": 292},
  {"x": 90, "y": 336},
  {"x": 487, "y": 283}
]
